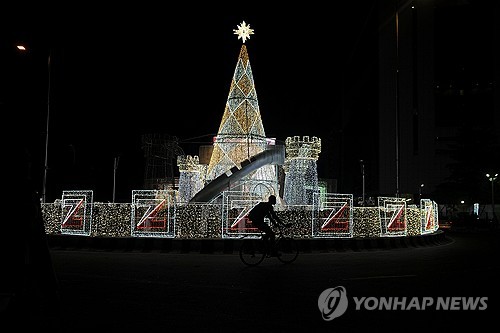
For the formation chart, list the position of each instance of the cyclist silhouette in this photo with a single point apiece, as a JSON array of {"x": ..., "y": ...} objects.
[{"x": 258, "y": 213}]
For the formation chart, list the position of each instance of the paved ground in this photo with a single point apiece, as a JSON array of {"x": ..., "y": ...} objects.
[{"x": 159, "y": 291}]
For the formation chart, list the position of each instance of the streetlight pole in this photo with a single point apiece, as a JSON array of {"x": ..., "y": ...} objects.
[
  {"x": 22, "y": 48},
  {"x": 492, "y": 179},
  {"x": 46, "y": 166},
  {"x": 420, "y": 191},
  {"x": 397, "y": 98},
  {"x": 117, "y": 159},
  {"x": 363, "y": 175}
]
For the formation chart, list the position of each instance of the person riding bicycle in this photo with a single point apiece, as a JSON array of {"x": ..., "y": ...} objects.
[{"x": 258, "y": 213}]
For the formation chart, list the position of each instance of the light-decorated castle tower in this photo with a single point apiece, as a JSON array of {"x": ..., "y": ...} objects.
[
  {"x": 301, "y": 173},
  {"x": 241, "y": 134},
  {"x": 191, "y": 176}
]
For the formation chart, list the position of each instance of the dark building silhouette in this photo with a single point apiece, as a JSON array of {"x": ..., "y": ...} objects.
[{"x": 436, "y": 75}]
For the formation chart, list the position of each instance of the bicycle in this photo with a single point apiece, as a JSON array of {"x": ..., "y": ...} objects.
[{"x": 254, "y": 250}]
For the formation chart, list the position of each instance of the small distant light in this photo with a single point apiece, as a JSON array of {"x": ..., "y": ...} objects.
[
  {"x": 462, "y": 201},
  {"x": 412, "y": 7},
  {"x": 21, "y": 47}
]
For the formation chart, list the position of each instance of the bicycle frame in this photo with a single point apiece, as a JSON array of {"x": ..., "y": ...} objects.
[{"x": 253, "y": 250}]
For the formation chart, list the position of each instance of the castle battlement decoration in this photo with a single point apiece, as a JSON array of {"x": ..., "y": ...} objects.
[
  {"x": 301, "y": 174},
  {"x": 191, "y": 176}
]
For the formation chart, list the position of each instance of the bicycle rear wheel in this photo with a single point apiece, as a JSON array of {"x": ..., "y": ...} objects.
[
  {"x": 288, "y": 248},
  {"x": 252, "y": 251}
]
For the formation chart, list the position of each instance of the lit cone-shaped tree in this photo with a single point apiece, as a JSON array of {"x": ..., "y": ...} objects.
[{"x": 241, "y": 133}]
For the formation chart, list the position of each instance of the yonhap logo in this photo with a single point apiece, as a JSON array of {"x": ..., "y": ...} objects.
[
  {"x": 332, "y": 302},
  {"x": 421, "y": 303}
]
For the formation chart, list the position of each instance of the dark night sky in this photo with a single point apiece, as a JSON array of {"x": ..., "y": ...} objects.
[{"x": 121, "y": 71}]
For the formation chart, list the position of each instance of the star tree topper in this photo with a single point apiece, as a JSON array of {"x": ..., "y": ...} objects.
[{"x": 243, "y": 31}]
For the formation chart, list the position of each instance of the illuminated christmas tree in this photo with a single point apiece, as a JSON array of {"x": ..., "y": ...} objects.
[{"x": 241, "y": 133}]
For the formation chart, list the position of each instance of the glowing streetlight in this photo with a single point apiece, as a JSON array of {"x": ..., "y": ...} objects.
[
  {"x": 492, "y": 179},
  {"x": 420, "y": 191}
]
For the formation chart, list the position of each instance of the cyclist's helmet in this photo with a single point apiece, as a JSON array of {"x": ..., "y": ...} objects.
[{"x": 272, "y": 199}]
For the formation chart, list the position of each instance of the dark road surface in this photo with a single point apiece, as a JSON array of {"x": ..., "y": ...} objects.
[{"x": 167, "y": 292}]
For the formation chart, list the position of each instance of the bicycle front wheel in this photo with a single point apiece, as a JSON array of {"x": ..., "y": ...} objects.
[
  {"x": 252, "y": 251},
  {"x": 288, "y": 248}
]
